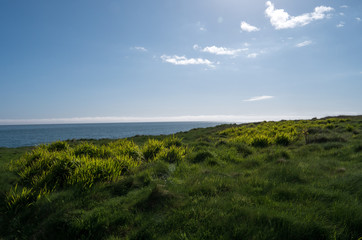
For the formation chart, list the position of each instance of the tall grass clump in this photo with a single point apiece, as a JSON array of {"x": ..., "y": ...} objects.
[
  {"x": 151, "y": 149},
  {"x": 58, "y": 146},
  {"x": 173, "y": 154},
  {"x": 283, "y": 139},
  {"x": 173, "y": 141},
  {"x": 95, "y": 170},
  {"x": 88, "y": 149},
  {"x": 58, "y": 166},
  {"x": 17, "y": 199},
  {"x": 260, "y": 141},
  {"x": 127, "y": 148}
]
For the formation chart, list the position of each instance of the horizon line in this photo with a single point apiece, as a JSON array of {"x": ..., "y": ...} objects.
[{"x": 187, "y": 118}]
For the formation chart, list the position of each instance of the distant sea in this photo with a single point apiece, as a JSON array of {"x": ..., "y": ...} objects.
[{"x": 31, "y": 135}]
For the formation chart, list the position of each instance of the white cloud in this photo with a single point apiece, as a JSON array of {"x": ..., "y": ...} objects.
[
  {"x": 341, "y": 13},
  {"x": 182, "y": 60},
  {"x": 344, "y": 6},
  {"x": 220, "y": 19},
  {"x": 340, "y": 25},
  {"x": 358, "y": 19},
  {"x": 259, "y": 98},
  {"x": 303, "y": 44},
  {"x": 280, "y": 19},
  {"x": 252, "y": 55},
  {"x": 141, "y": 49},
  {"x": 221, "y": 50},
  {"x": 246, "y": 27}
]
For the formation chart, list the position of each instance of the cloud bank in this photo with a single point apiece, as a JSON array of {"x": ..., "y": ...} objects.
[
  {"x": 280, "y": 19},
  {"x": 246, "y": 27},
  {"x": 187, "y": 118},
  {"x": 182, "y": 60}
]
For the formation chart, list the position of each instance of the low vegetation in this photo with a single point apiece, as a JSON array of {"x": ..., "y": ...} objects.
[{"x": 268, "y": 180}]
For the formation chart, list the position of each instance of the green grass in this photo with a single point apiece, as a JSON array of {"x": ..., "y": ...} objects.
[{"x": 268, "y": 180}]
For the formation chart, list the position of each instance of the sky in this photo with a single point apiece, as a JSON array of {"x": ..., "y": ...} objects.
[{"x": 201, "y": 60}]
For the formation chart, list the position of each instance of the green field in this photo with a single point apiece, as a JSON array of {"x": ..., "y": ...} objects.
[{"x": 268, "y": 180}]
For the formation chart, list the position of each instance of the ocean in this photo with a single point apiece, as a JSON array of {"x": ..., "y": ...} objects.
[{"x": 31, "y": 135}]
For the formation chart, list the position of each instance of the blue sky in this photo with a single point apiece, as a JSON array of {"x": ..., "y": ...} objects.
[{"x": 229, "y": 60}]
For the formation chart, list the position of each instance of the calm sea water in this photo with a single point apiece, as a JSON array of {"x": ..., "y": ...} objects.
[{"x": 30, "y": 135}]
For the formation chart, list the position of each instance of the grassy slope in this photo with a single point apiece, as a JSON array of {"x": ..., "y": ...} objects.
[{"x": 223, "y": 189}]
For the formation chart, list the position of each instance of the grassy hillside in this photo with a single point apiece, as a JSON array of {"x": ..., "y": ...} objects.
[{"x": 268, "y": 180}]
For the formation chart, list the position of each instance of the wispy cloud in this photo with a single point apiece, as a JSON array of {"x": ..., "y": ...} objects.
[
  {"x": 220, "y": 50},
  {"x": 182, "y": 60},
  {"x": 344, "y": 6},
  {"x": 246, "y": 27},
  {"x": 252, "y": 55},
  {"x": 358, "y": 19},
  {"x": 340, "y": 25},
  {"x": 280, "y": 19},
  {"x": 258, "y": 98},
  {"x": 303, "y": 44},
  {"x": 141, "y": 49},
  {"x": 201, "y": 27}
]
